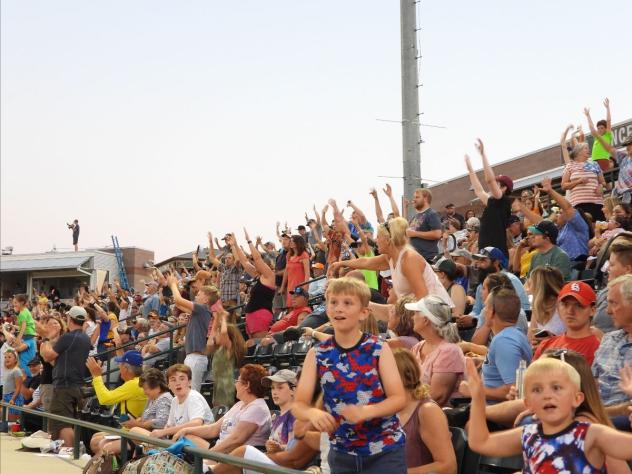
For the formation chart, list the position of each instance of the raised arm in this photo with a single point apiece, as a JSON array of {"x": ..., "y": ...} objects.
[
  {"x": 389, "y": 192},
  {"x": 240, "y": 256},
  {"x": 181, "y": 303},
  {"x": 490, "y": 178},
  {"x": 378, "y": 207},
  {"x": 361, "y": 217},
  {"x": 568, "y": 211},
  {"x": 323, "y": 219},
  {"x": 606, "y": 104},
  {"x": 593, "y": 131},
  {"x": 267, "y": 274},
  {"x": 211, "y": 251},
  {"x": 475, "y": 182},
  {"x": 563, "y": 140}
]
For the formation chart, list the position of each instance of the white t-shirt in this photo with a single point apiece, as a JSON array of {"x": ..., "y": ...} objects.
[
  {"x": 195, "y": 406},
  {"x": 91, "y": 327},
  {"x": 123, "y": 315},
  {"x": 256, "y": 412}
]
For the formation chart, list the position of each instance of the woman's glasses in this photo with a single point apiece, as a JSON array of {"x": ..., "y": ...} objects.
[{"x": 388, "y": 229}]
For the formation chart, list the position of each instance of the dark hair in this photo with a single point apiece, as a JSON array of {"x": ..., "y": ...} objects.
[
  {"x": 91, "y": 312},
  {"x": 603, "y": 123},
  {"x": 154, "y": 378},
  {"x": 21, "y": 297},
  {"x": 253, "y": 374},
  {"x": 506, "y": 304},
  {"x": 299, "y": 241},
  {"x": 112, "y": 308}
]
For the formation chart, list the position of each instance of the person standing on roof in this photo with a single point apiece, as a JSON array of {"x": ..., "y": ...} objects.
[{"x": 75, "y": 233}]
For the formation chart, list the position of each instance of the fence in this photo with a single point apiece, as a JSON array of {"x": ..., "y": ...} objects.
[{"x": 198, "y": 454}]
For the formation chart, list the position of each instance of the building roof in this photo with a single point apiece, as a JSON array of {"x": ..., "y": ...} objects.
[{"x": 10, "y": 263}]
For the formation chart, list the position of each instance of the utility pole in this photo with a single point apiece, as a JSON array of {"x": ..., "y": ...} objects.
[{"x": 410, "y": 99}]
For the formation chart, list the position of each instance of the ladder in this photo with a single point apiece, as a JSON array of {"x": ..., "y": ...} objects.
[{"x": 119, "y": 261}]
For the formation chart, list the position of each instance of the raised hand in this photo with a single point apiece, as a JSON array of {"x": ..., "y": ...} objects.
[
  {"x": 468, "y": 162},
  {"x": 388, "y": 190},
  {"x": 606, "y": 103},
  {"x": 586, "y": 111},
  {"x": 474, "y": 381},
  {"x": 546, "y": 185},
  {"x": 479, "y": 146},
  {"x": 373, "y": 193},
  {"x": 246, "y": 236}
]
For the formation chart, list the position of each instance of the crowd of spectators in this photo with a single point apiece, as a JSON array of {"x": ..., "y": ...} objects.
[{"x": 410, "y": 323}]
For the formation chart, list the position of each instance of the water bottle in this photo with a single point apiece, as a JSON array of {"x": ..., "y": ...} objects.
[
  {"x": 82, "y": 449},
  {"x": 522, "y": 368}
]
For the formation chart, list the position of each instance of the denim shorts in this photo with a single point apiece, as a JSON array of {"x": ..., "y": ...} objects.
[{"x": 392, "y": 461}]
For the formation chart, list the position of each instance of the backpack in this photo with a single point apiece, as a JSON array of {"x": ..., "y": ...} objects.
[
  {"x": 103, "y": 464},
  {"x": 159, "y": 463}
]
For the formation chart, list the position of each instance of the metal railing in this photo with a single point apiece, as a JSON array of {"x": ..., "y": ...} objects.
[{"x": 198, "y": 454}]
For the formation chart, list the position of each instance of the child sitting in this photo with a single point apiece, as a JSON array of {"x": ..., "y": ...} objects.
[
  {"x": 557, "y": 443},
  {"x": 362, "y": 389}
]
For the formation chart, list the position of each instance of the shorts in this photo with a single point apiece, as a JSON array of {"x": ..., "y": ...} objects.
[
  {"x": 253, "y": 454},
  {"x": 46, "y": 395},
  {"x": 67, "y": 401},
  {"x": 19, "y": 401},
  {"x": 258, "y": 321},
  {"x": 392, "y": 461},
  {"x": 27, "y": 354}
]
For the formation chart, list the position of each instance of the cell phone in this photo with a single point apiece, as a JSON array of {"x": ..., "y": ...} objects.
[{"x": 542, "y": 334}]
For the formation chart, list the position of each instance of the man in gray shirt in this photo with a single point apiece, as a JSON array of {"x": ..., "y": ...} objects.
[
  {"x": 197, "y": 328},
  {"x": 425, "y": 229}
]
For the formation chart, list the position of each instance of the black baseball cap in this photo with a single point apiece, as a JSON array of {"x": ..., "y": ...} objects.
[{"x": 546, "y": 228}]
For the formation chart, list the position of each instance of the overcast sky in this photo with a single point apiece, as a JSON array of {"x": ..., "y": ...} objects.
[{"x": 159, "y": 120}]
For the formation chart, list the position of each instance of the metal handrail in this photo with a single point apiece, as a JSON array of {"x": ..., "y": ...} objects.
[{"x": 197, "y": 453}]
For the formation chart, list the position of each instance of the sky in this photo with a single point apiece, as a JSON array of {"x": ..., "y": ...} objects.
[{"x": 157, "y": 121}]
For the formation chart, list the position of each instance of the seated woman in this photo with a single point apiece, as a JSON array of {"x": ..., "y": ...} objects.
[
  {"x": 442, "y": 361},
  {"x": 544, "y": 284},
  {"x": 155, "y": 415},
  {"x": 400, "y": 324},
  {"x": 282, "y": 449},
  {"x": 247, "y": 422},
  {"x": 448, "y": 271},
  {"x": 428, "y": 439},
  {"x": 188, "y": 407}
]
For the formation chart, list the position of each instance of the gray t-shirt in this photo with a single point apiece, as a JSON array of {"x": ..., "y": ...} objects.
[
  {"x": 423, "y": 222},
  {"x": 197, "y": 329},
  {"x": 8, "y": 379}
]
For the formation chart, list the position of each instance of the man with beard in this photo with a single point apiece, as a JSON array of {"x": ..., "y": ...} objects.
[{"x": 491, "y": 260}]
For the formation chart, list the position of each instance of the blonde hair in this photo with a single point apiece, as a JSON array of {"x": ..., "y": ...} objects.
[
  {"x": 546, "y": 283},
  {"x": 349, "y": 286},
  {"x": 546, "y": 365},
  {"x": 369, "y": 325},
  {"x": 211, "y": 292},
  {"x": 410, "y": 373},
  {"x": 395, "y": 231},
  {"x": 625, "y": 285}
]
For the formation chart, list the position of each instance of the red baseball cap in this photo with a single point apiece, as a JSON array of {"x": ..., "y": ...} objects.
[{"x": 579, "y": 290}]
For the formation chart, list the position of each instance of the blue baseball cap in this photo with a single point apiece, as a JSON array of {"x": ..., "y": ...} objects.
[
  {"x": 131, "y": 358},
  {"x": 299, "y": 290},
  {"x": 492, "y": 253}
]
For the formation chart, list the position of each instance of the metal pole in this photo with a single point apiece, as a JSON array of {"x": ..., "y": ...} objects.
[{"x": 410, "y": 99}]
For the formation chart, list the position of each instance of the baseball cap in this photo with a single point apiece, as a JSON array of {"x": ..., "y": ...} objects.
[
  {"x": 446, "y": 266},
  {"x": 513, "y": 219},
  {"x": 461, "y": 253},
  {"x": 299, "y": 290},
  {"x": 579, "y": 290},
  {"x": 506, "y": 180},
  {"x": 34, "y": 361},
  {"x": 546, "y": 228},
  {"x": 78, "y": 314},
  {"x": 131, "y": 358},
  {"x": 285, "y": 234},
  {"x": 473, "y": 222},
  {"x": 318, "y": 266},
  {"x": 493, "y": 254},
  {"x": 201, "y": 275},
  {"x": 152, "y": 283},
  {"x": 448, "y": 206},
  {"x": 282, "y": 376},
  {"x": 627, "y": 141}
]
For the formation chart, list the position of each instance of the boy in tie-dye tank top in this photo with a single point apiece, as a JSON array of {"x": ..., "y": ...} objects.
[{"x": 362, "y": 390}]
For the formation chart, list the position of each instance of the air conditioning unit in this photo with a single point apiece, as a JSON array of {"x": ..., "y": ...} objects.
[{"x": 7, "y": 251}]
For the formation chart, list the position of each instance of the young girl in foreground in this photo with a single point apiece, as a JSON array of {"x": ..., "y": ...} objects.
[{"x": 557, "y": 443}]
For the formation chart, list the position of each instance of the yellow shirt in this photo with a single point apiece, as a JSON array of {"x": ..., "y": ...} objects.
[
  {"x": 525, "y": 262},
  {"x": 130, "y": 395},
  {"x": 113, "y": 324}
]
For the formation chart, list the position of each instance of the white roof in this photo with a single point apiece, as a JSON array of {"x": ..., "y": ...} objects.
[{"x": 47, "y": 261}]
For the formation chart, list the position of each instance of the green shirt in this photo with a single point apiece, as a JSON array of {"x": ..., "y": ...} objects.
[
  {"x": 598, "y": 151},
  {"x": 25, "y": 316},
  {"x": 370, "y": 276},
  {"x": 556, "y": 257}
]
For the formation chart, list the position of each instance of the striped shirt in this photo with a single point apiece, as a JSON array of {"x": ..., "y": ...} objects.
[{"x": 584, "y": 193}]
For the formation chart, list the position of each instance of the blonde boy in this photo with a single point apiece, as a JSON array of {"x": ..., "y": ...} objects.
[
  {"x": 557, "y": 443},
  {"x": 362, "y": 390}
]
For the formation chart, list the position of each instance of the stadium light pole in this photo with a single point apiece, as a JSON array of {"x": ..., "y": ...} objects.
[{"x": 410, "y": 99}]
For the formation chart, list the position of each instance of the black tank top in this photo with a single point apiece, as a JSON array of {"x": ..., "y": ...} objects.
[{"x": 261, "y": 297}]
